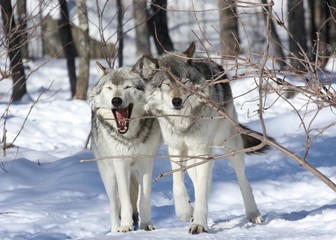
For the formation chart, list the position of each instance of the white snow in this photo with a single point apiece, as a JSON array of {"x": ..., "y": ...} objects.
[{"x": 46, "y": 193}]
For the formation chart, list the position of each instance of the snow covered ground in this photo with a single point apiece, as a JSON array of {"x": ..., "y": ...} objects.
[{"x": 46, "y": 193}]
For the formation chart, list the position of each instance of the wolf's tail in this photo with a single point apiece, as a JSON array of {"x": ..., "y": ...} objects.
[
  {"x": 134, "y": 192},
  {"x": 250, "y": 141}
]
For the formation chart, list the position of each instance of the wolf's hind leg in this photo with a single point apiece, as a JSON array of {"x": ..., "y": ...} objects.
[
  {"x": 183, "y": 208},
  {"x": 251, "y": 209}
]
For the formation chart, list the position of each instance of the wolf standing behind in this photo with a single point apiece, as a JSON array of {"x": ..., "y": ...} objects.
[
  {"x": 190, "y": 134},
  {"x": 117, "y": 97}
]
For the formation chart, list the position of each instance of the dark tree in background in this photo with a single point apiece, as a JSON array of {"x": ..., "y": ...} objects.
[
  {"x": 13, "y": 46},
  {"x": 158, "y": 26},
  {"x": 228, "y": 28},
  {"x": 21, "y": 10},
  {"x": 297, "y": 29},
  {"x": 319, "y": 30},
  {"x": 318, "y": 41},
  {"x": 332, "y": 25},
  {"x": 83, "y": 50},
  {"x": 67, "y": 43},
  {"x": 120, "y": 32}
]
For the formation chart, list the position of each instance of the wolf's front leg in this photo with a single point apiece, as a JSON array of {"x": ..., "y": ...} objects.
[
  {"x": 183, "y": 208},
  {"x": 145, "y": 185},
  {"x": 107, "y": 173},
  {"x": 123, "y": 175},
  {"x": 202, "y": 182}
]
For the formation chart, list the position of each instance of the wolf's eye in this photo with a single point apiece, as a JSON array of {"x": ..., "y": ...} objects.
[
  {"x": 140, "y": 88},
  {"x": 109, "y": 88}
]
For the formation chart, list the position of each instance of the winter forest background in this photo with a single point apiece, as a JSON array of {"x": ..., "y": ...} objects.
[{"x": 279, "y": 56}]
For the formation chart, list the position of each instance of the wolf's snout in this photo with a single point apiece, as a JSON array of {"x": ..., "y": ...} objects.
[
  {"x": 116, "y": 101},
  {"x": 177, "y": 102}
]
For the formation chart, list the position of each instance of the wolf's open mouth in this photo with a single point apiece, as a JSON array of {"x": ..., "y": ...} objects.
[{"x": 121, "y": 116}]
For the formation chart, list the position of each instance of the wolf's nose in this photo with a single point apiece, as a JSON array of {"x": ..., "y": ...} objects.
[
  {"x": 177, "y": 102},
  {"x": 116, "y": 101}
]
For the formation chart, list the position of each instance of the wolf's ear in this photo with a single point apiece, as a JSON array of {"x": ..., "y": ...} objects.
[
  {"x": 101, "y": 69},
  {"x": 146, "y": 66},
  {"x": 190, "y": 50}
]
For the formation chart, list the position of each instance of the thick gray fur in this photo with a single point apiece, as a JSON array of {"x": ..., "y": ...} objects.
[
  {"x": 190, "y": 134},
  {"x": 127, "y": 180}
]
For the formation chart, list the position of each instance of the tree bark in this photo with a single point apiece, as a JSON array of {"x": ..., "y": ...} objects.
[
  {"x": 141, "y": 28},
  {"x": 297, "y": 33},
  {"x": 158, "y": 26},
  {"x": 276, "y": 41},
  {"x": 319, "y": 32},
  {"x": 21, "y": 10},
  {"x": 332, "y": 25},
  {"x": 14, "y": 51},
  {"x": 228, "y": 28},
  {"x": 83, "y": 50},
  {"x": 69, "y": 47},
  {"x": 120, "y": 32}
]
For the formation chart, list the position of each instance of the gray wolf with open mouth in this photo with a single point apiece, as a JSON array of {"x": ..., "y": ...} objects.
[
  {"x": 178, "y": 89},
  {"x": 120, "y": 129}
]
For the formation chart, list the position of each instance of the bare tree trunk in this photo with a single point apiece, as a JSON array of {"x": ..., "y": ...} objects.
[
  {"x": 276, "y": 42},
  {"x": 319, "y": 31},
  {"x": 332, "y": 25},
  {"x": 228, "y": 28},
  {"x": 21, "y": 10},
  {"x": 297, "y": 31},
  {"x": 141, "y": 29},
  {"x": 83, "y": 50},
  {"x": 69, "y": 47},
  {"x": 120, "y": 32},
  {"x": 158, "y": 26},
  {"x": 14, "y": 51}
]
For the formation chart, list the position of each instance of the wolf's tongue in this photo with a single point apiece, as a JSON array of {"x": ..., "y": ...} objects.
[{"x": 121, "y": 115}]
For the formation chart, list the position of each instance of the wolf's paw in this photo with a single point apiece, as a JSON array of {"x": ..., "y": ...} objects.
[
  {"x": 124, "y": 229},
  {"x": 197, "y": 229},
  {"x": 148, "y": 227},
  {"x": 255, "y": 218}
]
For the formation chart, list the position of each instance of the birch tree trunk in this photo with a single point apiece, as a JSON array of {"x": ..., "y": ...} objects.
[
  {"x": 83, "y": 50},
  {"x": 141, "y": 28},
  {"x": 228, "y": 28}
]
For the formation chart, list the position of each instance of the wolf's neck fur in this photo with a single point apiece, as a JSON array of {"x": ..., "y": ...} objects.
[{"x": 182, "y": 122}]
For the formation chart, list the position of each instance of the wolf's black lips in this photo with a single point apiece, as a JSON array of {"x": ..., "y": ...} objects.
[{"x": 122, "y": 116}]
